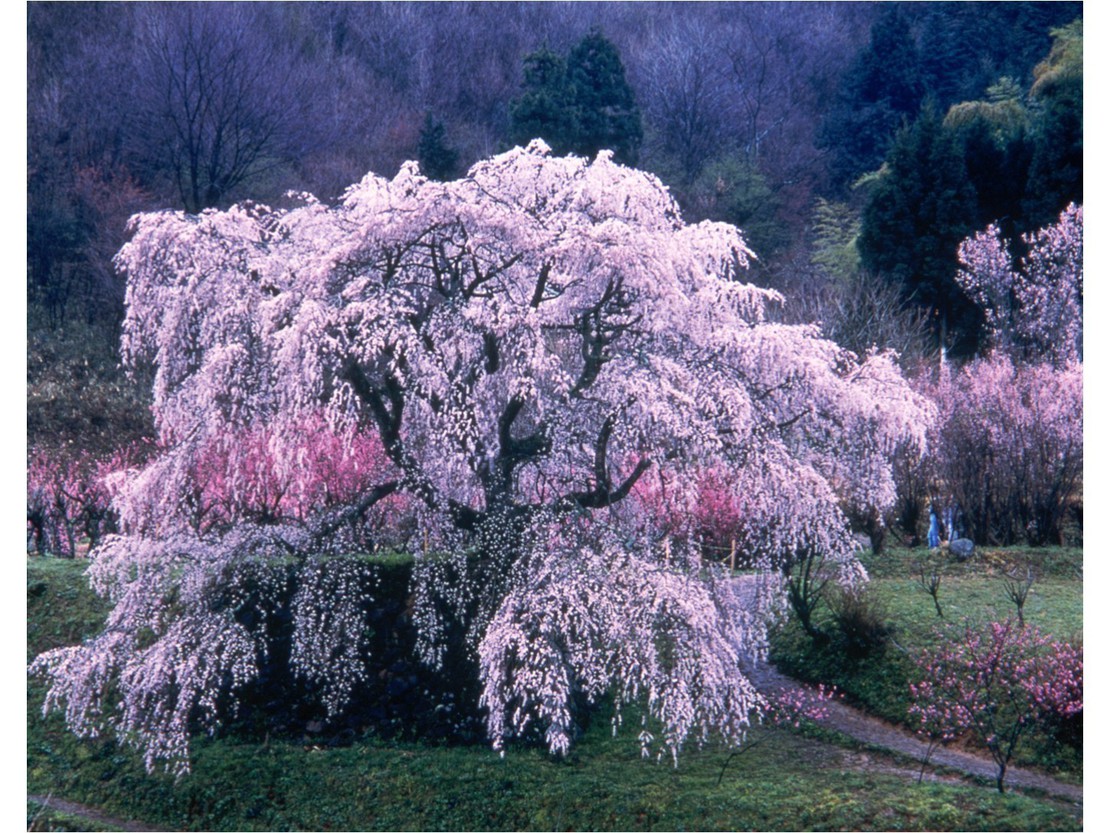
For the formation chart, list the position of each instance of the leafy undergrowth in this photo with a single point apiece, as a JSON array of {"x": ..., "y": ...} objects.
[
  {"x": 786, "y": 781},
  {"x": 972, "y": 592},
  {"x": 48, "y": 819}
]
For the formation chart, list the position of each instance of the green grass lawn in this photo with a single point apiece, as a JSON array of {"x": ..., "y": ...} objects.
[{"x": 785, "y": 781}]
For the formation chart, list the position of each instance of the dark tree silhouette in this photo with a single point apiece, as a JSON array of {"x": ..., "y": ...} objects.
[
  {"x": 922, "y": 207},
  {"x": 220, "y": 101}
]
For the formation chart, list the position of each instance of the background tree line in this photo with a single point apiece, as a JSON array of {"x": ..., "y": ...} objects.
[{"x": 855, "y": 144}]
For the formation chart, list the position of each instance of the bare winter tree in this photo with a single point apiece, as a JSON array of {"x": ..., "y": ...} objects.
[
  {"x": 220, "y": 103},
  {"x": 784, "y": 59},
  {"x": 686, "y": 95}
]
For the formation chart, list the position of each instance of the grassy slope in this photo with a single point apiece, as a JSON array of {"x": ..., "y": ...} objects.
[{"x": 788, "y": 781}]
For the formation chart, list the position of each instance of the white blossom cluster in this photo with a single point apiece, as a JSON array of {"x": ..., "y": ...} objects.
[{"x": 590, "y": 614}]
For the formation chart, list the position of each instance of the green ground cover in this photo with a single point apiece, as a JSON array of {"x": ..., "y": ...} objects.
[{"x": 788, "y": 780}]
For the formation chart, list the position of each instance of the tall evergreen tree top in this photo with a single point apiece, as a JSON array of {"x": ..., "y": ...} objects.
[
  {"x": 581, "y": 104},
  {"x": 604, "y": 102},
  {"x": 437, "y": 159},
  {"x": 888, "y": 71}
]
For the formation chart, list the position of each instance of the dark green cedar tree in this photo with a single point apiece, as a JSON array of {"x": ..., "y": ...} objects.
[
  {"x": 921, "y": 207},
  {"x": 1056, "y": 170},
  {"x": 880, "y": 91},
  {"x": 544, "y": 110},
  {"x": 580, "y": 104},
  {"x": 604, "y": 104},
  {"x": 437, "y": 159}
]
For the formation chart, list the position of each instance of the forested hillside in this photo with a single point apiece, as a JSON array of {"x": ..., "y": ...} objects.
[{"x": 763, "y": 115}]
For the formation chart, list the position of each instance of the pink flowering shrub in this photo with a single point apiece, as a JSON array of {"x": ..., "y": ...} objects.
[
  {"x": 797, "y": 705},
  {"x": 69, "y": 497},
  {"x": 996, "y": 685},
  {"x": 1008, "y": 448},
  {"x": 514, "y": 356},
  {"x": 266, "y": 477}
]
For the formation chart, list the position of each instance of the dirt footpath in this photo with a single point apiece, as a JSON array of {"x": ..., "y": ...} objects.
[{"x": 86, "y": 813}]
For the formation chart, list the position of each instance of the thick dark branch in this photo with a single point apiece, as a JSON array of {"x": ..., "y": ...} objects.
[
  {"x": 505, "y": 424},
  {"x": 481, "y": 278},
  {"x": 602, "y": 493},
  {"x": 519, "y": 449},
  {"x": 598, "y": 498},
  {"x": 352, "y": 513},
  {"x": 388, "y": 420},
  {"x": 601, "y": 453},
  {"x": 512, "y": 452},
  {"x": 541, "y": 285},
  {"x": 493, "y": 354},
  {"x": 598, "y": 334}
]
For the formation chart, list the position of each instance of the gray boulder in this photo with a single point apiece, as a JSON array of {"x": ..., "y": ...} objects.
[{"x": 962, "y": 549}]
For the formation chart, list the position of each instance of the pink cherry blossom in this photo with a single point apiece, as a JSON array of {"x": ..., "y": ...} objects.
[{"x": 1034, "y": 311}]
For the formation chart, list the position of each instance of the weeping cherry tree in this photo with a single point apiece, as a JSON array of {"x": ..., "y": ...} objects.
[{"x": 544, "y": 363}]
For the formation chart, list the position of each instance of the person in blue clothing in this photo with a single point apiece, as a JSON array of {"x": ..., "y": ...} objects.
[{"x": 934, "y": 529}]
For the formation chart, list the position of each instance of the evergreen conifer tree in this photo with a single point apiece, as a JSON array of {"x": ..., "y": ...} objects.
[
  {"x": 921, "y": 208},
  {"x": 880, "y": 90},
  {"x": 544, "y": 110},
  {"x": 580, "y": 104},
  {"x": 605, "y": 106},
  {"x": 1056, "y": 170},
  {"x": 437, "y": 159}
]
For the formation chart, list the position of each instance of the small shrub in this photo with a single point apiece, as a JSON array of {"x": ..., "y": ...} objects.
[
  {"x": 929, "y": 574},
  {"x": 1017, "y": 588},
  {"x": 862, "y": 624},
  {"x": 996, "y": 685}
]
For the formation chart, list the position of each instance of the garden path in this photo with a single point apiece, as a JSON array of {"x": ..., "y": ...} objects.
[{"x": 86, "y": 813}]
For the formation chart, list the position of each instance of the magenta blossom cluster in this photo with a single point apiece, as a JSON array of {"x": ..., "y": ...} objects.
[
  {"x": 795, "y": 705},
  {"x": 260, "y": 474},
  {"x": 995, "y": 685},
  {"x": 69, "y": 496}
]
